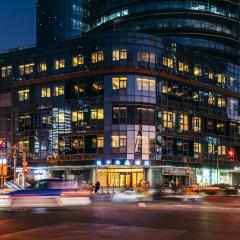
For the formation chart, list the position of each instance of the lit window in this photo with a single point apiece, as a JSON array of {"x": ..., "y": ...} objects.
[
  {"x": 146, "y": 57},
  {"x": 46, "y": 92},
  {"x": 61, "y": 144},
  {"x": 60, "y": 117},
  {"x": 23, "y": 143},
  {"x": 46, "y": 119},
  {"x": 211, "y": 99},
  {"x": 97, "y": 114},
  {"x": 97, "y": 86},
  {"x": 220, "y": 127},
  {"x": 197, "y": 71},
  {"x": 122, "y": 141},
  {"x": 183, "y": 122},
  {"x": 59, "y": 63},
  {"x": 183, "y": 67},
  {"x": 59, "y": 91},
  {"x": 21, "y": 70},
  {"x": 210, "y": 148},
  {"x": 23, "y": 95},
  {"x": 197, "y": 147},
  {"x": 77, "y": 116},
  {"x": 26, "y": 69},
  {"x": 168, "y": 62},
  {"x": 42, "y": 67},
  {"x": 211, "y": 75},
  {"x": 221, "y": 150},
  {"x": 119, "y": 54},
  {"x": 119, "y": 113},
  {"x": 221, "y": 79},
  {"x": 97, "y": 57},
  {"x": 100, "y": 142},
  {"x": 119, "y": 83},
  {"x": 78, "y": 89},
  {"x": 169, "y": 119},
  {"x": 195, "y": 96},
  {"x": 77, "y": 143},
  {"x": 196, "y": 124},
  {"x": 119, "y": 141},
  {"x": 77, "y": 60},
  {"x": 221, "y": 102},
  {"x": 145, "y": 84},
  {"x": 6, "y": 71}
]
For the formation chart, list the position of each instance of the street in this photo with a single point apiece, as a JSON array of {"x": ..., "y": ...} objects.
[{"x": 217, "y": 218}]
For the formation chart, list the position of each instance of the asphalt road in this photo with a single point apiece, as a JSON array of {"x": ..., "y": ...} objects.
[{"x": 216, "y": 219}]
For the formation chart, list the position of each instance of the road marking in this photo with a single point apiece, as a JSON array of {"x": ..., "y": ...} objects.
[{"x": 141, "y": 204}]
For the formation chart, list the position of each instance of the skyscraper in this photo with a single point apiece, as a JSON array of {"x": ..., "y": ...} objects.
[
  {"x": 151, "y": 92},
  {"x": 59, "y": 20}
]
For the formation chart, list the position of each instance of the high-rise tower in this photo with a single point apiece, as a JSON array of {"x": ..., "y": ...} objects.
[{"x": 59, "y": 20}]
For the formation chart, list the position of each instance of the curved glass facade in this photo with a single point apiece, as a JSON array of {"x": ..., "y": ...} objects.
[
  {"x": 152, "y": 90},
  {"x": 128, "y": 99},
  {"x": 208, "y": 21}
]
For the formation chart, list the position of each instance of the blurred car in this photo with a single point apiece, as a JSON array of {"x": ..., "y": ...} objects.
[
  {"x": 47, "y": 193},
  {"x": 238, "y": 188},
  {"x": 220, "y": 189},
  {"x": 130, "y": 195},
  {"x": 11, "y": 186}
]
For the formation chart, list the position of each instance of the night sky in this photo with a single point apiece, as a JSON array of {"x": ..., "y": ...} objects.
[{"x": 17, "y": 23}]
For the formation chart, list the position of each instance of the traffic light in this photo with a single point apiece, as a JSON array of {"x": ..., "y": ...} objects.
[
  {"x": 231, "y": 154},
  {"x": 3, "y": 144},
  {"x": 25, "y": 170}
]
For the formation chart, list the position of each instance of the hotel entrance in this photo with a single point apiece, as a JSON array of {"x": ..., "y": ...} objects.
[{"x": 120, "y": 177}]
